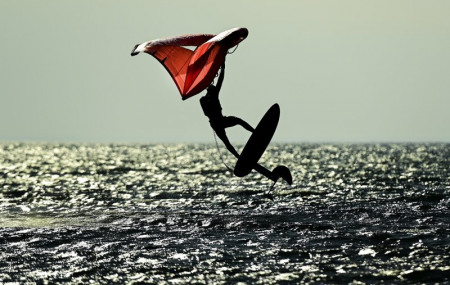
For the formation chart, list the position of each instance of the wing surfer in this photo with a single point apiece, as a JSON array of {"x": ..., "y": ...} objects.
[{"x": 213, "y": 110}]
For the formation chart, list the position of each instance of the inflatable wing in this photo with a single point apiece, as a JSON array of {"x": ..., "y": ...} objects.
[{"x": 193, "y": 71}]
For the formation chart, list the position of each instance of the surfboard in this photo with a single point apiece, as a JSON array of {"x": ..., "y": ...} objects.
[{"x": 258, "y": 142}]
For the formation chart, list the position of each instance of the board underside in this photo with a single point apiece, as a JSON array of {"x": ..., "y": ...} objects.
[{"x": 258, "y": 142}]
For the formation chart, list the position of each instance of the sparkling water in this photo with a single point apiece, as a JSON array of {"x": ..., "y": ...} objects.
[{"x": 170, "y": 214}]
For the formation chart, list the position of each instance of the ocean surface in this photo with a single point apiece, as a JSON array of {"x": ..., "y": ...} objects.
[{"x": 174, "y": 214}]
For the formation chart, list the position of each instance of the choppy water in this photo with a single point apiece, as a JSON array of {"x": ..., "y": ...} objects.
[{"x": 172, "y": 214}]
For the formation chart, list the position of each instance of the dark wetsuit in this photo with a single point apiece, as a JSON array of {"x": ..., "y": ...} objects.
[
  {"x": 211, "y": 104},
  {"x": 213, "y": 110}
]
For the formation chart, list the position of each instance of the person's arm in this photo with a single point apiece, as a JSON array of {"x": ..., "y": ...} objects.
[{"x": 221, "y": 76}]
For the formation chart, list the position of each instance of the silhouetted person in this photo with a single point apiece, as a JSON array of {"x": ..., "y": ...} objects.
[{"x": 213, "y": 110}]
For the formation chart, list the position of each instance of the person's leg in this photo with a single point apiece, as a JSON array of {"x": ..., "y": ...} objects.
[
  {"x": 280, "y": 171},
  {"x": 220, "y": 132},
  {"x": 231, "y": 121}
]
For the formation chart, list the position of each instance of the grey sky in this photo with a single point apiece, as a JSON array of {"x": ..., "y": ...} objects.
[{"x": 342, "y": 71}]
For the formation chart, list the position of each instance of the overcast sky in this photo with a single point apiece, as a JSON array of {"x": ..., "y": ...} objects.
[{"x": 342, "y": 71}]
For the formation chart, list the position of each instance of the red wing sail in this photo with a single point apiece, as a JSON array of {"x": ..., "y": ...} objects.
[
  {"x": 175, "y": 59},
  {"x": 193, "y": 71},
  {"x": 203, "y": 67}
]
